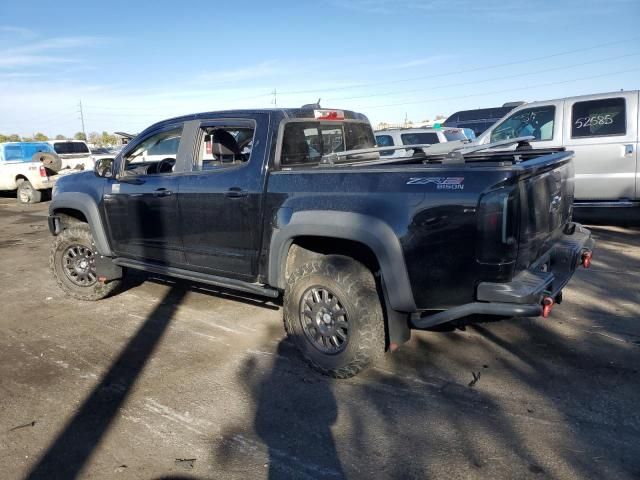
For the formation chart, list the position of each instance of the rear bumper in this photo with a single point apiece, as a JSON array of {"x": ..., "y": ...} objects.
[
  {"x": 44, "y": 183},
  {"x": 524, "y": 295},
  {"x": 546, "y": 277}
]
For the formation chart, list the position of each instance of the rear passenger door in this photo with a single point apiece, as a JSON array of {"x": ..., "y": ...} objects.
[
  {"x": 221, "y": 198},
  {"x": 602, "y": 131}
]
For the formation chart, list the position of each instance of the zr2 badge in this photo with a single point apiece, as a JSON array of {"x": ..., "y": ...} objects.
[{"x": 441, "y": 183}]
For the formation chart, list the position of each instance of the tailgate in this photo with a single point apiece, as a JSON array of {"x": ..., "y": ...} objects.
[{"x": 546, "y": 203}]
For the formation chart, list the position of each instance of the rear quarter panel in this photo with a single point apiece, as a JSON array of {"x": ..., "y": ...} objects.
[{"x": 435, "y": 223}]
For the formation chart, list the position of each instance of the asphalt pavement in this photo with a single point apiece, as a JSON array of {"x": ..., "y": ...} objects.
[{"x": 172, "y": 380}]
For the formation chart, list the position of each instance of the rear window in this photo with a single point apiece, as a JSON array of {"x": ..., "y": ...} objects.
[
  {"x": 453, "y": 135},
  {"x": 24, "y": 152},
  {"x": 598, "y": 118},
  {"x": 304, "y": 143},
  {"x": 385, "y": 141},
  {"x": 63, "y": 148},
  {"x": 419, "y": 138}
]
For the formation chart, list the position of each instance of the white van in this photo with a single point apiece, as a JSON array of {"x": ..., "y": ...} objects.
[
  {"x": 601, "y": 129},
  {"x": 415, "y": 136}
]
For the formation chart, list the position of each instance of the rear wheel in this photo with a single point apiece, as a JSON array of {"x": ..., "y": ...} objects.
[
  {"x": 26, "y": 193},
  {"x": 332, "y": 313},
  {"x": 73, "y": 264}
]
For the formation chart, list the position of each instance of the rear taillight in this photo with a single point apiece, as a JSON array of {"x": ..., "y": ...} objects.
[
  {"x": 498, "y": 226},
  {"x": 43, "y": 171}
]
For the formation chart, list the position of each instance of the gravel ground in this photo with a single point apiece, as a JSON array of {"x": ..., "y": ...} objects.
[{"x": 171, "y": 380}]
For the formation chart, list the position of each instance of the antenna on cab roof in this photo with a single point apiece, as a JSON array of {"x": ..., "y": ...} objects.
[{"x": 312, "y": 105}]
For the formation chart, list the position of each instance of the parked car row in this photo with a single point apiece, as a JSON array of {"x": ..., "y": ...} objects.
[
  {"x": 32, "y": 168},
  {"x": 602, "y": 130}
]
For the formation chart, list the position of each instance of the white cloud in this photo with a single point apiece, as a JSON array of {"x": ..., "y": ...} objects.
[{"x": 46, "y": 52}]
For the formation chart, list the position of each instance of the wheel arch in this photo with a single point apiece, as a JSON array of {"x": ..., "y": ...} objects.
[
  {"x": 340, "y": 232},
  {"x": 80, "y": 206}
]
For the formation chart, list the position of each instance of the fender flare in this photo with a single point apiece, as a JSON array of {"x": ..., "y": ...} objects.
[
  {"x": 83, "y": 202},
  {"x": 370, "y": 231}
]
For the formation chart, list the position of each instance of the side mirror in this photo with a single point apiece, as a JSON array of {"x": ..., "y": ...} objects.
[{"x": 104, "y": 167}]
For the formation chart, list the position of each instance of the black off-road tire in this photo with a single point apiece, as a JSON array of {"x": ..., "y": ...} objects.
[
  {"x": 26, "y": 193},
  {"x": 355, "y": 289},
  {"x": 77, "y": 235}
]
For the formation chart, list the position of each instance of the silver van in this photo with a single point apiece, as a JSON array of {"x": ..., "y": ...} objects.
[{"x": 601, "y": 129}]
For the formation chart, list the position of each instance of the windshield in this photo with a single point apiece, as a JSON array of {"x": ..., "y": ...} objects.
[
  {"x": 63, "y": 148},
  {"x": 536, "y": 122}
]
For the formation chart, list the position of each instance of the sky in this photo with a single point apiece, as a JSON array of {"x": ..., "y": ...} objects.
[{"x": 134, "y": 63}]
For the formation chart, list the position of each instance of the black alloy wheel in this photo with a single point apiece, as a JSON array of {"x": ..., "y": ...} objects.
[
  {"x": 324, "y": 320},
  {"x": 79, "y": 264}
]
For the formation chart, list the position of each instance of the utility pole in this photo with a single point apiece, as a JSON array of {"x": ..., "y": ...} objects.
[
  {"x": 82, "y": 119},
  {"x": 275, "y": 97}
]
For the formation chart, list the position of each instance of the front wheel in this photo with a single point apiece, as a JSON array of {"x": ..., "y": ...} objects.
[
  {"x": 73, "y": 264},
  {"x": 332, "y": 313}
]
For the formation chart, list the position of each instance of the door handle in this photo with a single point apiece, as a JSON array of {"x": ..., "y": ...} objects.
[
  {"x": 162, "y": 192},
  {"x": 628, "y": 150},
  {"x": 236, "y": 192}
]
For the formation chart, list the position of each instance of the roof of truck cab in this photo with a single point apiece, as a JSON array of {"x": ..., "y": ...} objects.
[
  {"x": 589, "y": 96},
  {"x": 284, "y": 112}
]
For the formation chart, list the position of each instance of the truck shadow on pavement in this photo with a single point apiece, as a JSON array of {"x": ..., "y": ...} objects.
[
  {"x": 295, "y": 409},
  {"x": 71, "y": 450},
  {"x": 556, "y": 398}
]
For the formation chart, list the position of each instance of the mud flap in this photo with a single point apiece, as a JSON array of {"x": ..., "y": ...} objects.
[
  {"x": 397, "y": 323},
  {"x": 106, "y": 270}
]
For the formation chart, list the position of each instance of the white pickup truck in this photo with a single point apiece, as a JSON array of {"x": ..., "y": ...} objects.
[
  {"x": 73, "y": 153},
  {"x": 30, "y": 168}
]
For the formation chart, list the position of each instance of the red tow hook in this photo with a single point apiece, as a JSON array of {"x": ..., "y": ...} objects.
[
  {"x": 586, "y": 258},
  {"x": 547, "y": 305}
]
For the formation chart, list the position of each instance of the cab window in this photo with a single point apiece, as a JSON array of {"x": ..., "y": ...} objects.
[
  {"x": 154, "y": 155},
  {"x": 598, "y": 118},
  {"x": 224, "y": 146},
  {"x": 537, "y": 122},
  {"x": 304, "y": 143}
]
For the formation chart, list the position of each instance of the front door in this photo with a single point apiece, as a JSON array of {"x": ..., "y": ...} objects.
[
  {"x": 602, "y": 131},
  {"x": 141, "y": 204},
  {"x": 221, "y": 200}
]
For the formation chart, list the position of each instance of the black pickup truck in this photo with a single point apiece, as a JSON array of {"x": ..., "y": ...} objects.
[{"x": 298, "y": 203}]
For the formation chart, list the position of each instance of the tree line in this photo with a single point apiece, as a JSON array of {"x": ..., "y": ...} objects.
[{"x": 99, "y": 139}]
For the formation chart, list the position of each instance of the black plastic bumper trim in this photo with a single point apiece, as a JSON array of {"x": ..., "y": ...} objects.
[{"x": 477, "y": 308}]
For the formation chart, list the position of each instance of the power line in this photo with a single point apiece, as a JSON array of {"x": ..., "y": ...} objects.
[
  {"x": 473, "y": 82},
  {"x": 458, "y": 72},
  {"x": 363, "y": 108}
]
